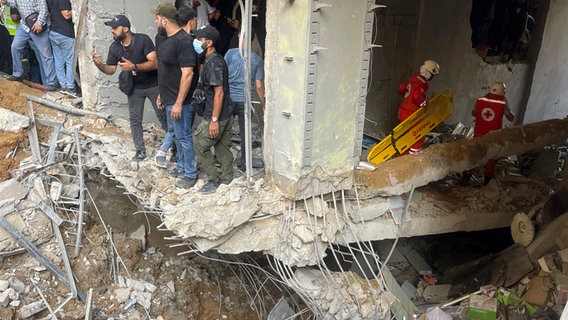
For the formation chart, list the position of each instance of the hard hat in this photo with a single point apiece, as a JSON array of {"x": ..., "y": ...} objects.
[
  {"x": 431, "y": 66},
  {"x": 498, "y": 88}
]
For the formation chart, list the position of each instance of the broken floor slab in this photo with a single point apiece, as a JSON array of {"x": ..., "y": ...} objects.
[{"x": 255, "y": 216}]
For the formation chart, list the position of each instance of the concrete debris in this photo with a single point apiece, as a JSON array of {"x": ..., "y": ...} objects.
[
  {"x": 436, "y": 293},
  {"x": 11, "y": 121},
  {"x": 12, "y": 189},
  {"x": 337, "y": 301},
  {"x": 32, "y": 309},
  {"x": 17, "y": 285}
]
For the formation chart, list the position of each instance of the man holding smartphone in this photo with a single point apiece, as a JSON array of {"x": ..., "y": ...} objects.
[{"x": 134, "y": 53}]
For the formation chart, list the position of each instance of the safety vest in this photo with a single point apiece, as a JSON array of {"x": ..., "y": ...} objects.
[
  {"x": 8, "y": 23},
  {"x": 489, "y": 111}
]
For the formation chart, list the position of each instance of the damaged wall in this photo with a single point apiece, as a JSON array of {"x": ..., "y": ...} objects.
[
  {"x": 411, "y": 32},
  {"x": 548, "y": 97}
]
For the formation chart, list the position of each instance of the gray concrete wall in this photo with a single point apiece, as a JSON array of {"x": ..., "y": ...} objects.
[
  {"x": 395, "y": 30},
  {"x": 548, "y": 95},
  {"x": 100, "y": 90},
  {"x": 412, "y": 32}
]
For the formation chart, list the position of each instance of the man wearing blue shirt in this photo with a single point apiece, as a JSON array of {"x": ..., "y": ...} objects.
[{"x": 235, "y": 64}]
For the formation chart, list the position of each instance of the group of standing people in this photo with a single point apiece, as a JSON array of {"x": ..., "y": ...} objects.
[
  {"x": 46, "y": 27},
  {"x": 168, "y": 74}
]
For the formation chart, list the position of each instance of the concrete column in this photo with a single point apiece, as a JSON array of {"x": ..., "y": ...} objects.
[{"x": 317, "y": 59}]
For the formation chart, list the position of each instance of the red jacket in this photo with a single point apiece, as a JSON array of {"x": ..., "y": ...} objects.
[
  {"x": 489, "y": 111},
  {"x": 414, "y": 93}
]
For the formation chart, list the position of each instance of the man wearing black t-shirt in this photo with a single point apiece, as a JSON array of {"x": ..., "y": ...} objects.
[
  {"x": 215, "y": 129},
  {"x": 176, "y": 62},
  {"x": 134, "y": 53}
]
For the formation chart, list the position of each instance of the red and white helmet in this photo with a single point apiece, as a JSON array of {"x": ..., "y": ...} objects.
[
  {"x": 498, "y": 88},
  {"x": 431, "y": 66}
]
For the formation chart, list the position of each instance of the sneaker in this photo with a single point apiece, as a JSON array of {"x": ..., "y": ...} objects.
[
  {"x": 160, "y": 159},
  {"x": 50, "y": 88},
  {"x": 186, "y": 182},
  {"x": 72, "y": 92},
  {"x": 176, "y": 173},
  {"x": 140, "y": 155},
  {"x": 12, "y": 78},
  {"x": 209, "y": 187}
]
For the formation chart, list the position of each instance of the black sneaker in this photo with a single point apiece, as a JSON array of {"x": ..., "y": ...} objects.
[
  {"x": 140, "y": 155},
  {"x": 176, "y": 173},
  {"x": 12, "y": 78},
  {"x": 186, "y": 182},
  {"x": 209, "y": 187},
  {"x": 50, "y": 88}
]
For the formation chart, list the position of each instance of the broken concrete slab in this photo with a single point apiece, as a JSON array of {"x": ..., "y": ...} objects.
[
  {"x": 32, "y": 309},
  {"x": 11, "y": 121},
  {"x": 12, "y": 189},
  {"x": 436, "y": 293},
  {"x": 398, "y": 176}
]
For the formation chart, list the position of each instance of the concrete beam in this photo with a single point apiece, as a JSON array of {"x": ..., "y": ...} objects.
[
  {"x": 314, "y": 114},
  {"x": 397, "y": 176}
]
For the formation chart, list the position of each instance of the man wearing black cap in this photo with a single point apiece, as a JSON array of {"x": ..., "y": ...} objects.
[
  {"x": 134, "y": 53},
  {"x": 215, "y": 130},
  {"x": 176, "y": 81}
]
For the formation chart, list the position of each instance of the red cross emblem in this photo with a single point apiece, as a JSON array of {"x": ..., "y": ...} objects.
[{"x": 488, "y": 114}]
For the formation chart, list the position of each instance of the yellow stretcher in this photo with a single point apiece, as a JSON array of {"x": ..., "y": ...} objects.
[{"x": 414, "y": 127}]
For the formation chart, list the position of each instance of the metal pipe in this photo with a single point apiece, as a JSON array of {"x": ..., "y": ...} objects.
[
  {"x": 63, "y": 108},
  {"x": 246, "y": 30}
]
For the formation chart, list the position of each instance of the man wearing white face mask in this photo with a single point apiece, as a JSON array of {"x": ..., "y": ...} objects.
[{"x": 414, "y": 92}]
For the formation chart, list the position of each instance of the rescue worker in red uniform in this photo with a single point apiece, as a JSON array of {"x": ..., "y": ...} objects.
[
  {"x": 414, "y": 92},
  {"x": 489, "y": 111}
]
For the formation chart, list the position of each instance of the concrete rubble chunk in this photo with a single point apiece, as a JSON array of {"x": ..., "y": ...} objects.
[
  {"x": 121, "y": 294},
  {"x": 12, "y": 294},
  {"x": 17, "y": 285},
  {"x": 11, "y": 121},
  {"x": 135, "y": 284},
  {"x": 15, "y": 303},
  {"x": 171, "y": 286},
  {"x": 436, "y": 293},
  {"x": 150, "y": 287},
  {"x": 4, "y": 299},
  {"x": 142, "y": 298},
  {"x": 4, "y": 285},
  {"x": 12, "y": 189},
  {"x": 140, "y": 234},
  {"x": 31, "y": 309}
]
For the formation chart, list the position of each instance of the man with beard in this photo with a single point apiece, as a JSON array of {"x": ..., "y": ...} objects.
[
  {"x": 177, "y": 81},
  {"x": 134, "y": 53}
]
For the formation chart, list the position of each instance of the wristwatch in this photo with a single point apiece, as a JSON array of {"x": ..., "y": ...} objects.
[{"x": 214, "y": 119}]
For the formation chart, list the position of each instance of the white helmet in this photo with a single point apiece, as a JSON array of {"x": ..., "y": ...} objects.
[
  {"x": 431, "y": 66},
  {"x": 498, "y": 88}
]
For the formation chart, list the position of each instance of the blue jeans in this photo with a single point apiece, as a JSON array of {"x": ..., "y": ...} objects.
[
  {"x": 63, "y": 47},
  {"x": 184, "y": 141},
  {"x": 169, "y": 138},
  {"x": 43, "y": 45}
]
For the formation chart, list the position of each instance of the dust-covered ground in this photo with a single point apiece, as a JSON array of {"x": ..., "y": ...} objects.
[{"x": 131, "y": 276}]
